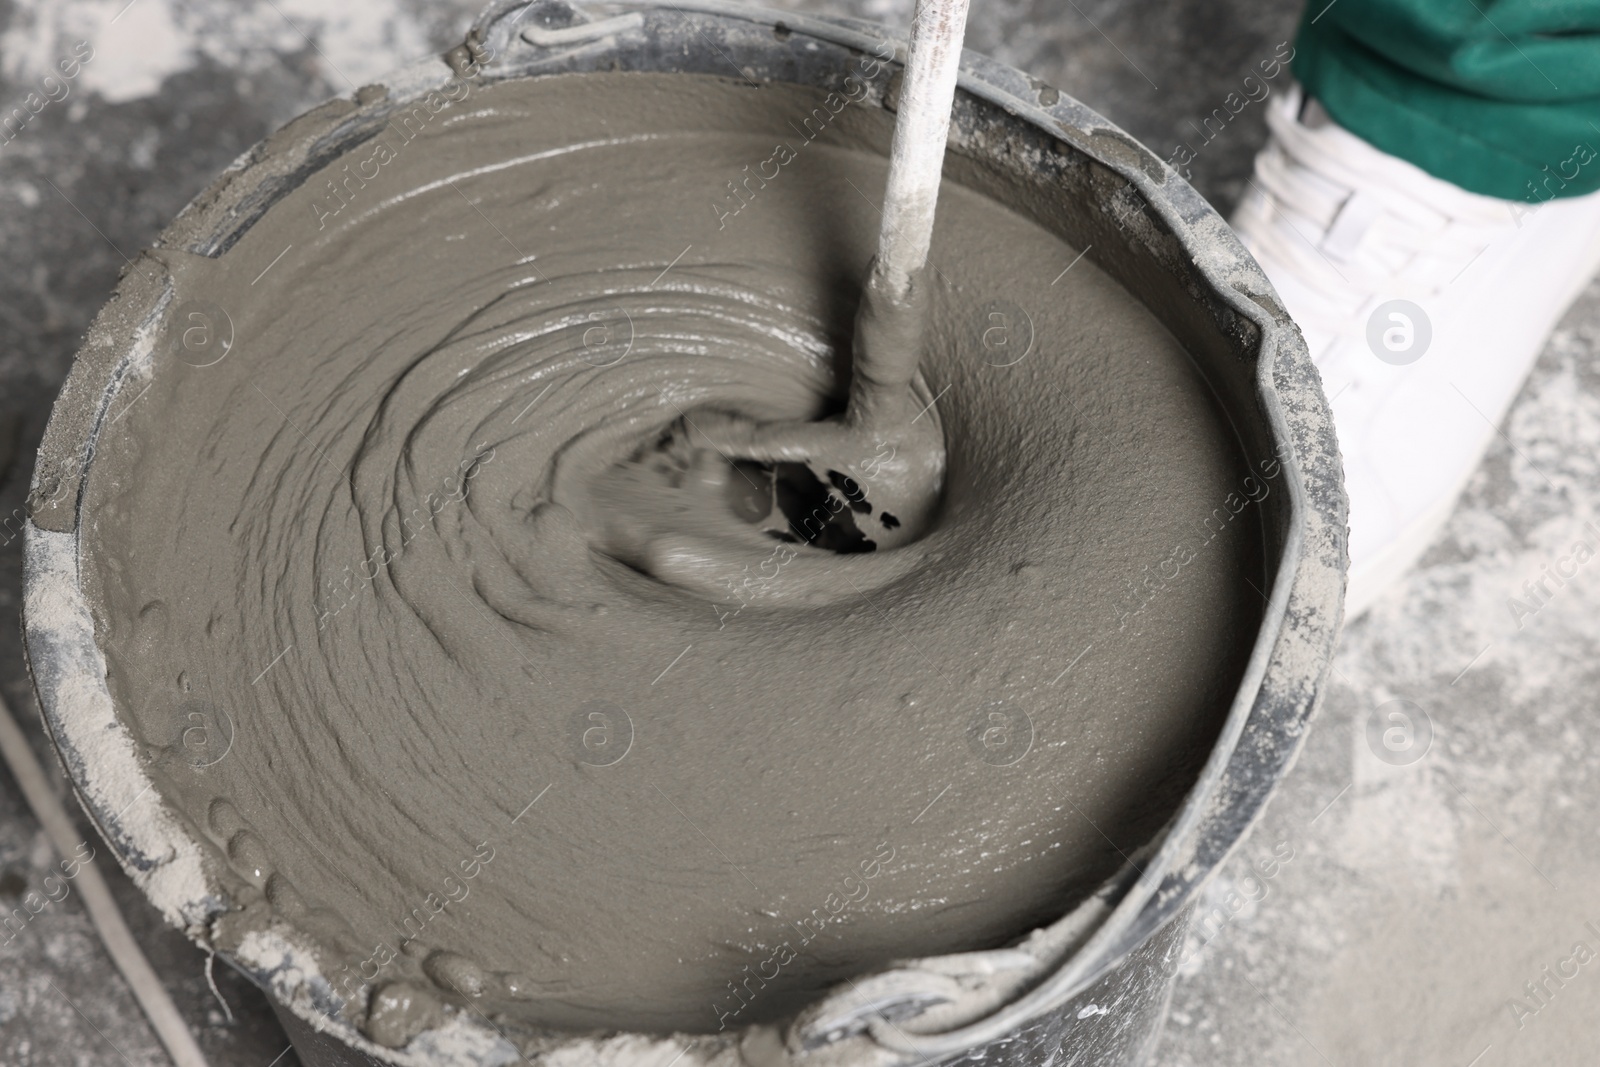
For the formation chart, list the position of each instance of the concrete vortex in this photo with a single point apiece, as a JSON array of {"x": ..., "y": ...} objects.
[{"x": 408, "y": 426}]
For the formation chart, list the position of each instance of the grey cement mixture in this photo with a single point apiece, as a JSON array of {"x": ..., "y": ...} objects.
[{"x": 485, "y": 755}]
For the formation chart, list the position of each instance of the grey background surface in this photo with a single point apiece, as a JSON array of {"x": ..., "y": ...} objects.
[{"x": 1416, "y": 901}]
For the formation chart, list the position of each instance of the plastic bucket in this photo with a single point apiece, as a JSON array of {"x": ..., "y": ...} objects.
[{"x": 1094, "y": 986}]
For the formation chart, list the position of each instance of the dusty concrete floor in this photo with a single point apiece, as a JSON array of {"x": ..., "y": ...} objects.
[{"x": 1419, "y": 899}]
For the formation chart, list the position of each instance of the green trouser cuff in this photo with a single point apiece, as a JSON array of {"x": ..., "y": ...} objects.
[{"x": 1494, "y": 125}]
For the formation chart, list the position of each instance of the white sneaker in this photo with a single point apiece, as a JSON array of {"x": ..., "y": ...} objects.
[{"x": 1424, "y": 307}]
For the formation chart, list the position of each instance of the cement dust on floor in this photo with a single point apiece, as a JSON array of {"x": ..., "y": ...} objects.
[{"x": 1419, "y": 900}]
